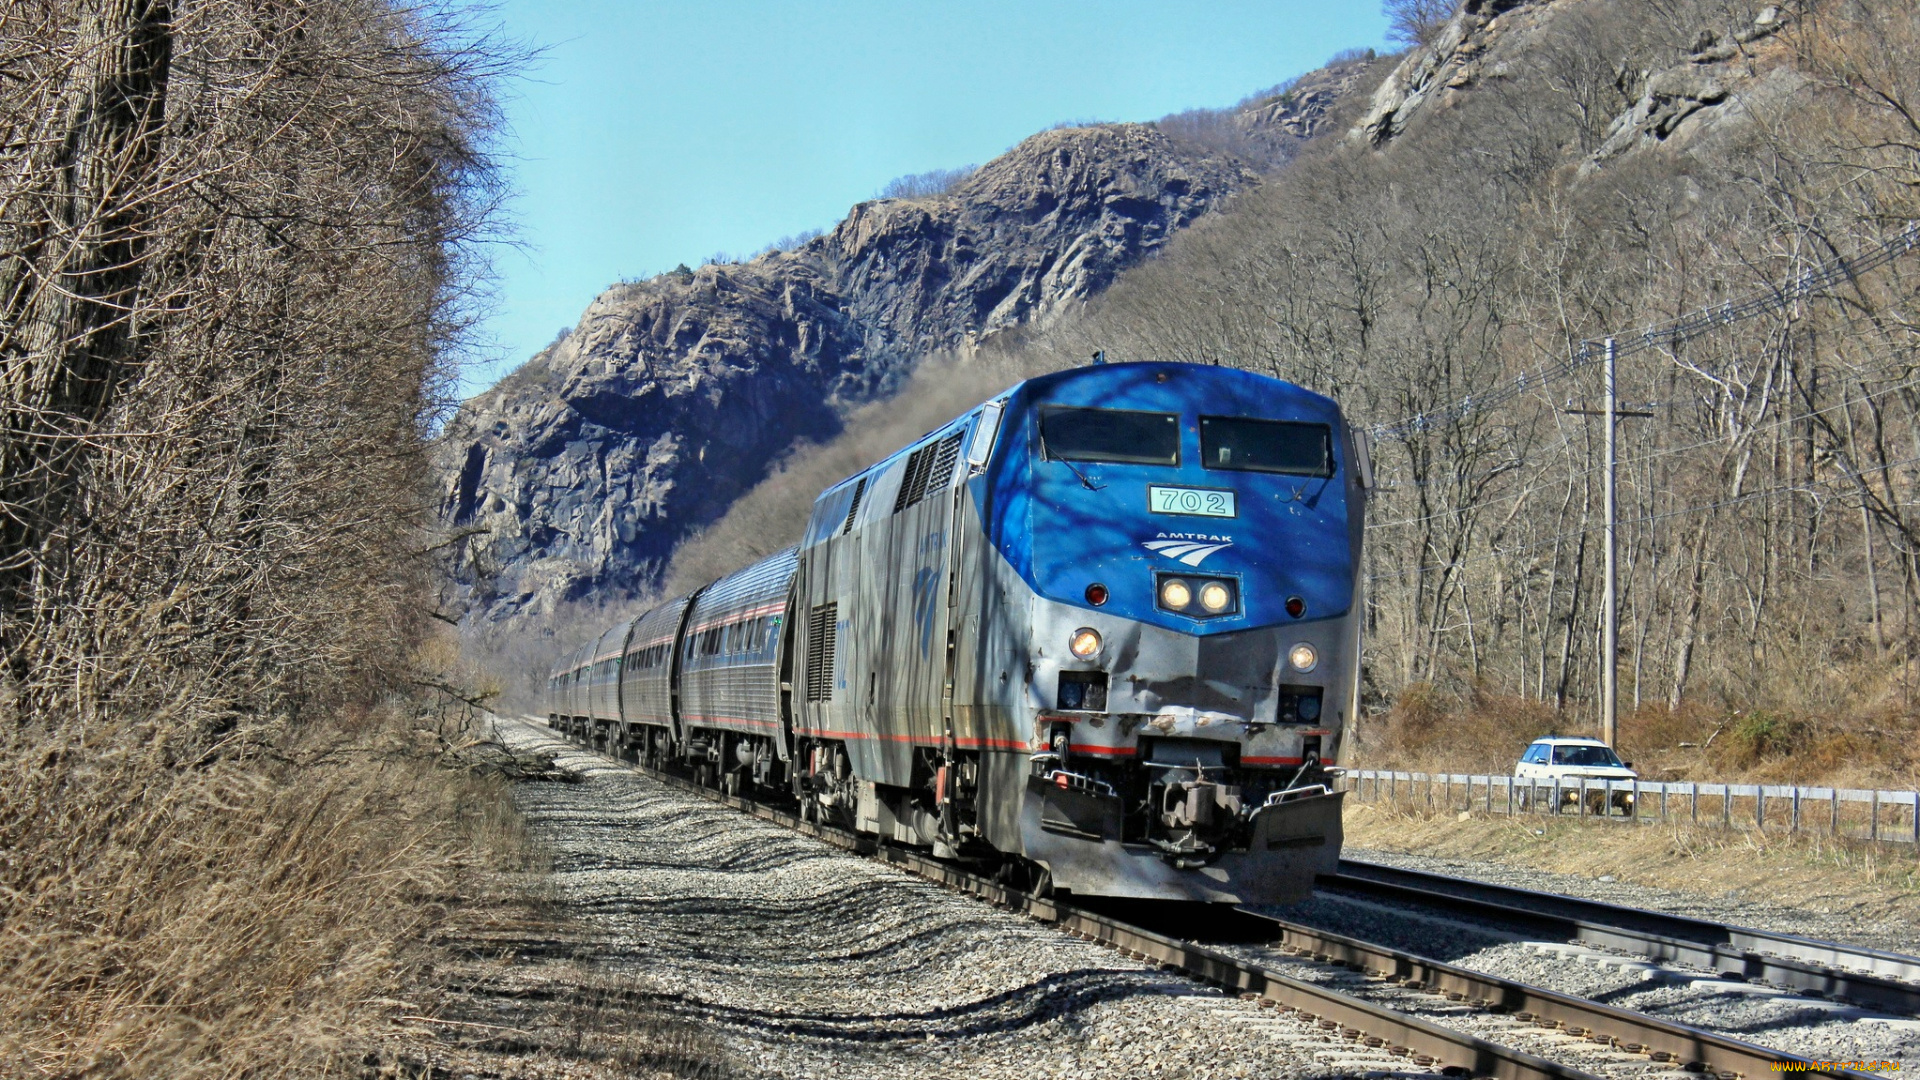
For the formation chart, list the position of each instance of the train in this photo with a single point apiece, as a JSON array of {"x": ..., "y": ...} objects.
[{"x": 1101, "y": 632}]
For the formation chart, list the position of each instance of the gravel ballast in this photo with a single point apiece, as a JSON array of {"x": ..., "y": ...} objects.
[
  {"x": 807, "y": 961},
  {"x": 804, "y": 960}
]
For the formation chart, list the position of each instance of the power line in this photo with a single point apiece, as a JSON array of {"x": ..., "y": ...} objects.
[
  {"x": 1665, "y": 335},
  {"x": 1662, "y": 515},
  {"x": 1652, "y": 455}
]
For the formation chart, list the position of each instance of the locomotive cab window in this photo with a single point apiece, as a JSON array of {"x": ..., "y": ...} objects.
[
  {"x": 1276, "y": 446},
  {"x": 1117, "y": 435}
]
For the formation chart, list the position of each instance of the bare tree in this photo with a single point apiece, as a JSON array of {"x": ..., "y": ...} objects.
[
  {"x": 231, "y": 267},
  {"x": 1416, "y": 22}
]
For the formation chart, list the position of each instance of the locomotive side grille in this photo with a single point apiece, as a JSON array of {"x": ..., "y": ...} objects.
[
  {"x": 859, "y": 490},
  {"x": 822, "y": 625},
  {"x": 917, "y": 480},
  {"x": 942, "y": 472},
  {"x": 914, "y": 483},
  {"x": 929, "y": 469}
]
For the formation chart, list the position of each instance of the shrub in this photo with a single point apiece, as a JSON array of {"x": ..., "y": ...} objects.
[{"x": 925, "y": 185}]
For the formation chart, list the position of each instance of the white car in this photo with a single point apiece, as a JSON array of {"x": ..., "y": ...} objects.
[{"x": 1572, "y": 759}]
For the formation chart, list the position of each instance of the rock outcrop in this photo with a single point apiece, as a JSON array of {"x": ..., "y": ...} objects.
[
  {"x": 1683, "y": 105},
  {"x": 1268, "y": 129},
  {"x": 1451, "y": 62},
  {"x": 578, "y": 474},
  {"x": 1677, "y": 106}
]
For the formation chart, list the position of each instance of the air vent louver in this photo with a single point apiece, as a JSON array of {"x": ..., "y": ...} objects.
[
  {"x": 859, "y": 490},
  {"x": 929, "y": 469},
  {"x": 943, "y": 465},
  {"x": 822, "y": 627},
  {"x": 913, "y": 482}
]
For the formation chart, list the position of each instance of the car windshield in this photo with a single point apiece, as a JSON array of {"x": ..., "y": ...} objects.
[
  {"x": 1584, "y": 755},
  {"x": 1120, "y": 435}
]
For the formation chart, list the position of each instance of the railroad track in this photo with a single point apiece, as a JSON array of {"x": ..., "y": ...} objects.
[
  {"x": 1691, "y": 1048},
  {"x": 1871, "y": 978},
  {"x": 1423, "y": 1042}
]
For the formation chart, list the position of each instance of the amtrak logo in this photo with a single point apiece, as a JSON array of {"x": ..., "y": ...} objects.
[{"x": 1189, "y": 548}]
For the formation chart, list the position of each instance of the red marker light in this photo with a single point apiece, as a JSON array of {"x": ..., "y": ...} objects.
[
  {"x": 1060, "y": 779},
  {"x": 1096, "y": 594},
  {"x": 1296, "y": 607}
]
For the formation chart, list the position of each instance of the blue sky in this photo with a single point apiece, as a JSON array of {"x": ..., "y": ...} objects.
[{"x": 651, "y": 134}]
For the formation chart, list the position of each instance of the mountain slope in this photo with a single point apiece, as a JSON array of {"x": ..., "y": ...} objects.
[{"x": 577, "y": 476}]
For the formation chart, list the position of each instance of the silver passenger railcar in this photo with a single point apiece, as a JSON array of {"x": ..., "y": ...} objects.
[
  {"x": 650, "y": 682},
  {"x": 731, "y": 702}
]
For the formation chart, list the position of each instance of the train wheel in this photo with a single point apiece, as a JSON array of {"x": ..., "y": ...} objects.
[{"x": 1042, "y": 882}]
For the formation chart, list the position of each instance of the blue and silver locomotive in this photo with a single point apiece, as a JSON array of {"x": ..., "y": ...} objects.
[{"x": 1104, "y": 628}]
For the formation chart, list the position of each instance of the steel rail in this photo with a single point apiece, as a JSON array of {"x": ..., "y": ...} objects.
[
  {"x": 1355, "y": 1019},
  {"x": 1693, "y": 1048},
  {"x": 1867, "y": 977}
]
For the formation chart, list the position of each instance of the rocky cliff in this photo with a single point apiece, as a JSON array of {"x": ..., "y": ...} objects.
[
  {"x": 1735, "y": 65},
  {"x": 578, "y": 474}
]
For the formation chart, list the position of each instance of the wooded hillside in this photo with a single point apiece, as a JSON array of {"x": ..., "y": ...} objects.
[{"x": 1542, "y": 176}]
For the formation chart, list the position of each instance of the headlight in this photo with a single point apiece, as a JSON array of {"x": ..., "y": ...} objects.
[
  {"x": 1085, "y": 642},
  {"x": 1215, "y": 597},
  {"x": 1303, "y": 657},
  {"x": 1175, "y": 594}
]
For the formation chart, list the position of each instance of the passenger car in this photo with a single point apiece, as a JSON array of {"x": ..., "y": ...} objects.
[{"x": 1570, "y": 759}]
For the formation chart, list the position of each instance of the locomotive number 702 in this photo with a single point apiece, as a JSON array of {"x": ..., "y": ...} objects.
[{"x": 1200, "y": 502}]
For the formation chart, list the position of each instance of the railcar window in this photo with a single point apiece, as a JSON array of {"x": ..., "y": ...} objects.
[
  {"x": 1117, "y": 435},
  {"x": 1279, "y": 446}
]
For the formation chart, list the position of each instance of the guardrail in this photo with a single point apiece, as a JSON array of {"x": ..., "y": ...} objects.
[{"x": 1865, "y": 814}]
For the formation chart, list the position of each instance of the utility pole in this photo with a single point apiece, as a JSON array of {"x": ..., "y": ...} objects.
[
  {"x": 1610, "y": 611},
  {"x": 1610, "y": 603}
]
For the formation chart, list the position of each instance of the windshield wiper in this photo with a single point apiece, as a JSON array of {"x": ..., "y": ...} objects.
[{"x": 1048, "y": 451}]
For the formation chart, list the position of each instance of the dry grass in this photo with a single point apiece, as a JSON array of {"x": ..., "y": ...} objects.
[
  {"x": 240, "y": 918},
  {"x": 1869, "y": 880},
  {"x": 1873, "y": 742}
]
